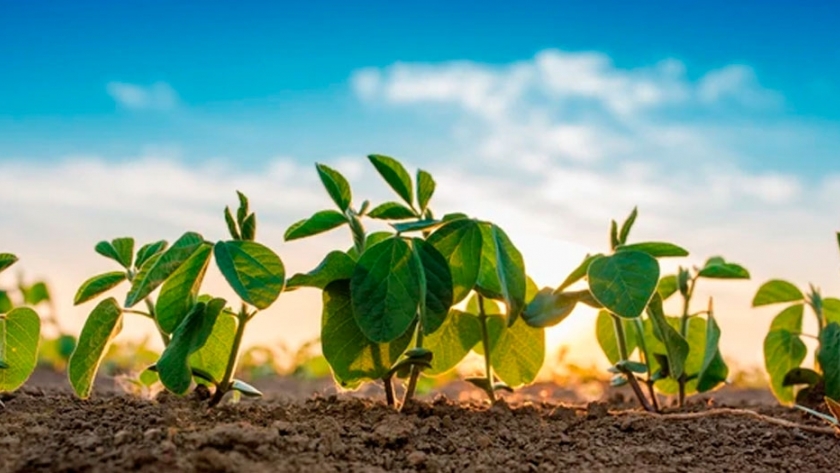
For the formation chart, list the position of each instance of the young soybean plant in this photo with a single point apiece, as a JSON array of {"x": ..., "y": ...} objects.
[
  {"x": 704, "y": 368},
  {"x": 204, "y": 336},
  {"x": 390, "y": 289},
  {"x": 105, "y": 321},
  {"x": 20, "y": 331},
  {"x": 784, "y": 350}
]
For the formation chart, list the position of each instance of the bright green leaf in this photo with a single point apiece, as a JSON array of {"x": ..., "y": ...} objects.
[
  {"x": 624, "y": 282},
  {"x": 321, "y": 222},
  {"x": 713, "y": 371},
  {"x": 578, "y": 273},
  {"x": 517, "y": 352},
  {"x": 460, "y": 243},
  {"x": 249, "y": 227},
  {"x": 193, "y": 332},
  {"x": 147, "y": 251},
  {"x": 120, "y": 250},
  {"x": 213, "y": 356},
  {"x": 452, "y": 342},
  {"x": 718, "y": 268},
  {"x": 335, "y": 266},
  {"x": 776, "y": 291},
  {"x": 425, "y": 189},
  {"x": 657, "y": 249},
  {"x": 502, "y": 272},
  {"x": 337, "y": 186},
  {"x": 155, "y": 271},
  {"x": 36, "y": 294},
  {"x": 549, "y": 308},
  {"x": 101, "y": 326},
  {"x": 6, "y": 260},
  {"x": 98, "y": 285},
  {"x": 394, "y": 174},
  {"x": 605, "y": 333},
  {"x": 391, "y": 211},
  {"x": 252, "y": 270},
  {"x": 667, "y": 287},
  {"x": 370, "y": 240},
  {"x": 179, "y": 292},
  {"x": 676, "y": 347},
  {"x": 831, "y": 310},
  {"x": 783, "y": 351},
  {"x": 20, "y": 332}
]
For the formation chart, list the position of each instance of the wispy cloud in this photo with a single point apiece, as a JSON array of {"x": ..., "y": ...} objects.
[{"x": 157, "y": 96}]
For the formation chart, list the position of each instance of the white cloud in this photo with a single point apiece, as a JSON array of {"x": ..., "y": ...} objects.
[{"x": 157, "y": 96}]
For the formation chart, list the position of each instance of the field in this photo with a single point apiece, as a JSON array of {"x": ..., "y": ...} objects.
[{"x": 303, "y": 426}]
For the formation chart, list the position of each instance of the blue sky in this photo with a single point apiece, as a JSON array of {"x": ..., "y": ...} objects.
[
  {"x": 721, "y": 120},
  {"x": 283, "y": 67}
]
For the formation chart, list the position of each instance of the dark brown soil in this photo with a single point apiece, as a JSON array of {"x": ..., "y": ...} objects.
[{"x": 46, "y": 429}]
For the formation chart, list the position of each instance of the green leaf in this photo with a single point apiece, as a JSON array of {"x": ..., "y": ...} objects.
[
  {"x": 351, "y": 355},
  {"x": 452, "y": 342},
  {"x": 676, "y": 346},
  {"x": 245, "y": 388},
  {"x": 5, "y": 302},
  {"x": 517, "y": 352},
  {"x": 391, "y": 211},
  {"x": 252, "y": 270},
  {"x": 578, "y": 273},
  {"x": 627, "y": 226},
  {"x": 394, "y": 174},
  {"x": 370, "y": 240},
  {"x": 829, "y": 358},
  {"x": 425, "y": 189},
  {"x": 231, "y": 225},
  {"x": 385, "y": 289},
  {"x": 614, "y": 243},
  {"x": 36, "y": 294},
  {"x": 337, "y": 186},
  {"x": 789, "y": 319},
  {"x": 193, "y": 332},
  {"x": 502, "y": 272},
  {"x": 321, "y": 222},
  {"x": 667, "y": 287},
  {"x": 783, "y": 351},
  {"x": 549, "y": 308},
  {"x": 101, "y": 326},
  {"x": 212, "y": 358},
  {"x": 460, "y": 243},
  {"x": 831, "y": 310},
  {"x": 154, "y": 272},
  {"x": 249, "y": 227},
  {"x": 242, "y": 211},
  {"x": 417, "y": 226},
  {"x": 657, "y": 249},
  {"x": 20, "y": 332},
  {"x": 147, "y": 251},
  {"x": 6, "y": 260},
  {"x": 98, "y": 285},
  {"x": 120, "y": 250},
  {"x": 718, "y": 268},
  {"x": 438, "y": 293},
  {"x": 800, "y": 376},
  {"x": 605, "y": 333},
  {"x": 624, "y": 282},
  {"x": 335, "y": 266},
  {"x": 713, "y": 371},
  {"x": 777, "y": 291},
  {"x": 179, "y": 292},
  {"x": 148, "y": 378}
]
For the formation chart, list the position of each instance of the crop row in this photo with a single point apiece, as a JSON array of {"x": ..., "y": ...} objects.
[{"x": 417, "y": 299}]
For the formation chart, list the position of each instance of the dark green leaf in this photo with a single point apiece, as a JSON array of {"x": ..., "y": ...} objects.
[
  {"x": 614, "y": 243},
  {"x": 657, "y": 249},
  {"x": 352, "y": 357},
  {"x": 336, "y": 185},
  {"x": 321, "y": 222},
  {"x": 418, "y": 226},
  {"x": 829, "y": 358},
  {"x": 578, "y": 273},
  {"x": 337, "y": 265},
  {"x": 385, "y": 289},
  {"x": 154, "y": 272},
  {"x": 549, "y": 308},
  {"x": 120, "y": 250},
  {"x": 454, "y": 339},
  {"x": 242, "y": 211},
  {"x": 252, "y": 270},
  {"x": 800, "y": 376},
  {"x": 425, "y": 189},
  {"x": 6, "y": 260},
  {"x": 188, "y": 338},
  {"x": 98, "y": 285},
  {"x": 370, "y": 240},
  {"x": 179, "y": 292},
  {"x": 714, "y": 371},
  {"x": 460, "y": 243},
  {"x": 502, "y": 272},
  {"x": 777, "y": 291},
  {"x": 624, "y": 282},
  {"x": 20, "y": 332},
  {"x": 391, "y": 211},
  {"x": 231, "y": 224},
  {"x": 101, "y": 326},
  {"x": 627, "y": 226},
  {"x": 394, "y": 174},
  {"x": 147, "y": 251},
  {"x": 718, "y": 268},
  {"x": 438, "y": 297},
  {"x": 249, "y": 227}
]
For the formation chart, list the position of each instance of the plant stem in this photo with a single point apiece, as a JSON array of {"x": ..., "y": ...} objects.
[
  {"x": 622, "y": 350},
  {"x": 224, "y": 384},
  {"x": 485, "y": 342},
  {"x": 389, "y": 391},
  {"x": 640, "y": 337},
  {"x": 415, "y": 370},
  {"x": 684, "y": 333}
]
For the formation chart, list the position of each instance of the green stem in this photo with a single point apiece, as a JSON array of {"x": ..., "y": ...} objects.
[
  {"x": 640, "y": 337},
  {"x": 224, "y": 384},
  {"x": 415, "y": 370},
  {"x": 621, "y": 338},
  {"x": 485, "y": 342},
  {"x": 684, "y": 332}
]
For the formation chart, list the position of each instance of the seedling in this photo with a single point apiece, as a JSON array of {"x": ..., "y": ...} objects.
[
  {"x": 391, "y": 289},
  {"x": 202, "y": 335},
  {"x": 784, "y": 349},
  {"x": 704, "y": 367},
  {"x": 20, "y": 331}
]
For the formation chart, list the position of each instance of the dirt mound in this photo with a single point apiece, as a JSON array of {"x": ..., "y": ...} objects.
[{"x": 49, "y": 430}]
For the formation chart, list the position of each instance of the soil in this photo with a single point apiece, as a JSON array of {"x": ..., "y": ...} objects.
[{"x": 44, "y": 428}]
